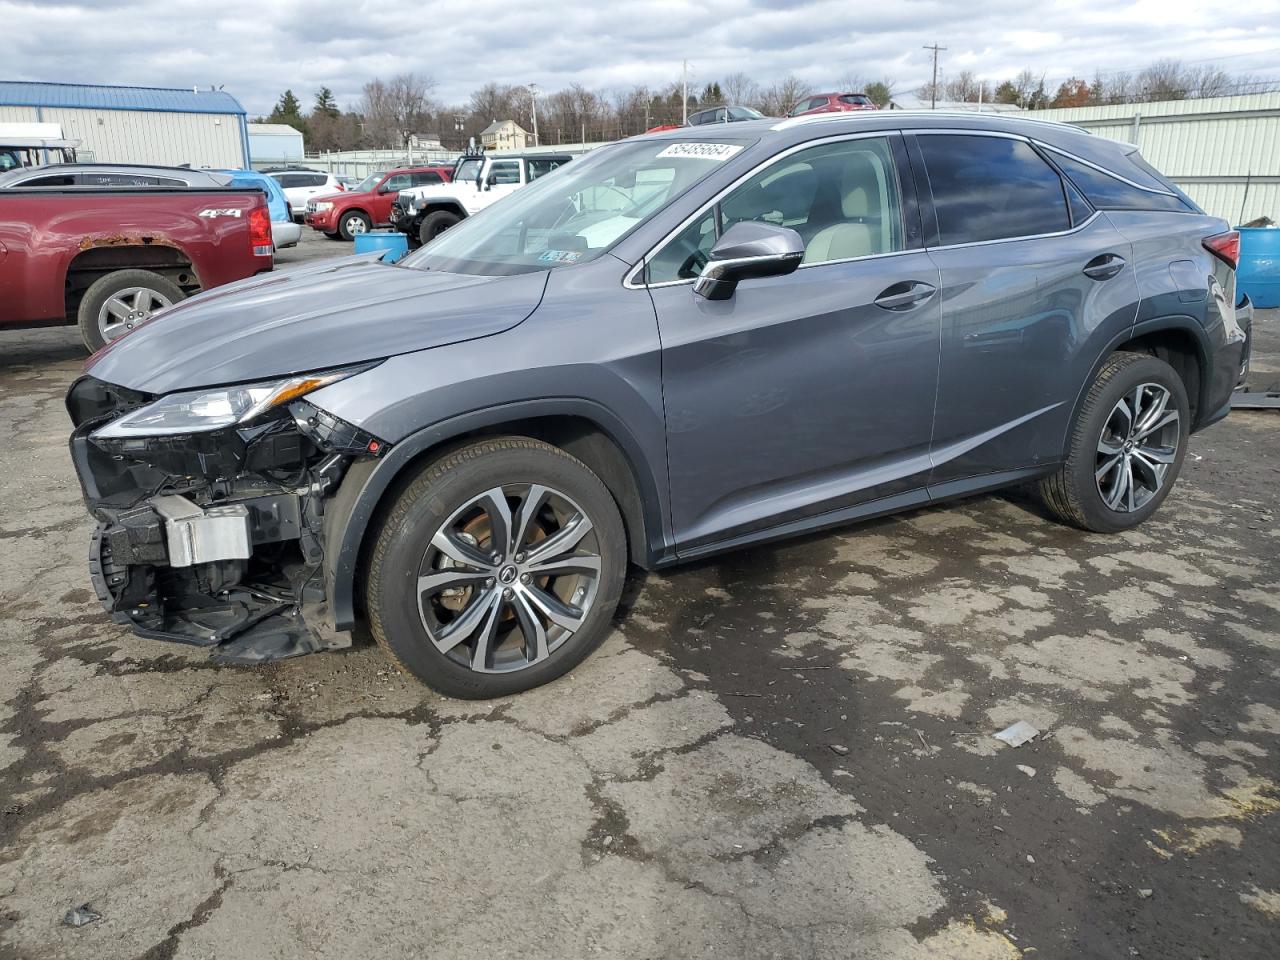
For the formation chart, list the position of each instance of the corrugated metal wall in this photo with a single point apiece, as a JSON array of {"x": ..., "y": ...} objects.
[
  {"x": 144, "y": 136},
  {"x": 1223, "y": 151},
  {"x": 267, "y": 148}
]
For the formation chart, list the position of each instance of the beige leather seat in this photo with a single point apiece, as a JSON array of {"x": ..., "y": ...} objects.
[{"x": 841, "y": 241}]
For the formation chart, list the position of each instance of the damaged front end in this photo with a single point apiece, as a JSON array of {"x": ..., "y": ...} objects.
[{"x": 210, "y": 508}]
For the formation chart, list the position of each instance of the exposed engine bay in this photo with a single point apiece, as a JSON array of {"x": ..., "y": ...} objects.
[{"x": 214, "y": 537}]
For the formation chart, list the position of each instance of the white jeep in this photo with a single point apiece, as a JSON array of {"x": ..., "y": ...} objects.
[{"x": 425, "y": 212}]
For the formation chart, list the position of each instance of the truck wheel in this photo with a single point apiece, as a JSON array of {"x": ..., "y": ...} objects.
[
  {"x": 498, "y": 568},
  {"x": 353, "y": 223},
  {"x": 1127, "y": 446},
  {"x": 115, "y": 304},
  {"x": 434, "y": 224}
]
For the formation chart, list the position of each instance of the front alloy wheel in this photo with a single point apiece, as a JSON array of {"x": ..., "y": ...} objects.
[
  {"x": 508, "y": 578},
  {"x": 497, "y": 569}
]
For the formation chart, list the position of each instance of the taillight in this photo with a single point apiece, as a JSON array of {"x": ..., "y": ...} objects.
[
  {"x": 260, "y": 231},
  {"x": 1225, "y": 246}
]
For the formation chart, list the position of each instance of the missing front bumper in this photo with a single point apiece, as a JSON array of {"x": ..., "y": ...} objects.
[{"x": 173, "y": 571}]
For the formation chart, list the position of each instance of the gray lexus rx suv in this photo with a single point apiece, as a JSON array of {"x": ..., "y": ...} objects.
[{"x": 680, "y": 344}]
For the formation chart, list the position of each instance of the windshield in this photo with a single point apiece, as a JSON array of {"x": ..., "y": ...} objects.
[
  {"x": 369, "y": 182},
  {"x": 576, "y": 213},
  {"x": 467, "y": 170}
]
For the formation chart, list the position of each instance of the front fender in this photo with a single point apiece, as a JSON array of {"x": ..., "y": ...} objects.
[{"x": 355, "y": 505}]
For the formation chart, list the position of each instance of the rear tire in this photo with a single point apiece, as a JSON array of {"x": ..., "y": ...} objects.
[
  {"x": 1119, "y": 468},
  {"x": 116, "y": 303},
  {"x": 353, "y": 223},
  {"x": 434, "y": 224},
  {"x": 484, "y": 580}
]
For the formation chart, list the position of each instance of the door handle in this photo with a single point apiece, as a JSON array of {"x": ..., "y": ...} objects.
[
  {"x": 905, "y": 295},
  {"x": 1104, "y": 266}
]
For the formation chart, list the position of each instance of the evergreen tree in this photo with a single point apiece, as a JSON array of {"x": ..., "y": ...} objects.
[{"x": 325, "y": 104}]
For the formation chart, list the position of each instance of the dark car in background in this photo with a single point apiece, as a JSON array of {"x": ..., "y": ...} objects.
[
  {"x": 340, "y": 216},
  {"x": 832, "y": 103},
  {"x": 676, "y": 345},
  {"x": 723, "y": 115}
]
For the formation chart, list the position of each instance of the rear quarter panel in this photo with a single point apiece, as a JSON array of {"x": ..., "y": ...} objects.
[
  {"x": 1180, "y": 286},
  {"x": 42, "y": 232}
]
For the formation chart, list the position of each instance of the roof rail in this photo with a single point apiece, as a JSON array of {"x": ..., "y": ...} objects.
[{"x": 1021, "y": 117}]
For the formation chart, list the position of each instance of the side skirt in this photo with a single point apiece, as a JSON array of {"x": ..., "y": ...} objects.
[{"x": 923, "y": 496}]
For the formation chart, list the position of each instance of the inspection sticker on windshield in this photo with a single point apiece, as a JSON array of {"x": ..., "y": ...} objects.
[
  {"x": 560, "y": 256},
  {"x": 702, "y": 151}
]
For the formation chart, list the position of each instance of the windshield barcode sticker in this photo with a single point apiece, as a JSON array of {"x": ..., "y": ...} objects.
[{"x": 702, "y": 151}]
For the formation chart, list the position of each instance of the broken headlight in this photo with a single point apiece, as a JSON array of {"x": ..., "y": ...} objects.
[{"x": 215, "y": 408}]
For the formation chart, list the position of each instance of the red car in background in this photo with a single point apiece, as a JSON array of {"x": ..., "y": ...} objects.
[
  {"x": 832, "y": 103},
  {"x": 360, "y": 209}
]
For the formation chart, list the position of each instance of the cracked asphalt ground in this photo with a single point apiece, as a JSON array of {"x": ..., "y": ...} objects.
[{"x": 784, "y": 752}]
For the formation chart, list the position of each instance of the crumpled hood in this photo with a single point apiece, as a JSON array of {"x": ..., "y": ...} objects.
[{"x": 327, "y": 314}]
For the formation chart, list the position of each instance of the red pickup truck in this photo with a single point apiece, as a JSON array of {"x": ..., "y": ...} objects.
[
  {"x": 340, "y": 216},
  {"x": 108, "y": 259}
]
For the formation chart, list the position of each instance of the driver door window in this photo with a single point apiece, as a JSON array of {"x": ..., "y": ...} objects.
[
  {"x": 842, "y": 198},
  {"x": 505, "y": 172},
  {"x": 401, "y": 181}
]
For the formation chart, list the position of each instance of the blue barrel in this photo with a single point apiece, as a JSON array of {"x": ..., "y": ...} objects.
[
  {"x": 396, "y": 244},
  {"x": 1258, "y": 272}
]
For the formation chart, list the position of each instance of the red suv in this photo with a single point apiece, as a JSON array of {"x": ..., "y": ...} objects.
[
  {"x": 360, "y": 209},
  {"x": 832, "y": 103}
]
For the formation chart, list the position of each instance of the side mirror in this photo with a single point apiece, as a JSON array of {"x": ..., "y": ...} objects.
[{"x": 748, "y": 249}]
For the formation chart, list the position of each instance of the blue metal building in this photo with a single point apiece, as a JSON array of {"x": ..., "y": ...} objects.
[{"x": 162, "y": 125}]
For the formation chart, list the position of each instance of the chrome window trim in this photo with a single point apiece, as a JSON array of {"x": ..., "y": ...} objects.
[
  {"x": 1103, "y": 170},
  {"x": 1029, "y": 236},
  {"x": 629, "y": 280}
]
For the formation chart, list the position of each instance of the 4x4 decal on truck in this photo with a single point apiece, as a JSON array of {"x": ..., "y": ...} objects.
[{"x": 219, "y": 212}]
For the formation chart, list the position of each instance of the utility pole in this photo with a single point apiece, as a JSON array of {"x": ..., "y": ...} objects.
[
  {"x": 684, "y": 92},
  {"x": 933, "y": 90},
  {"x": 533, "y": 99}
]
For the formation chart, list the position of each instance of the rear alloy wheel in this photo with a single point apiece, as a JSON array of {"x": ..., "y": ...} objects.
[
  {"x": 1127, "y": 447},
  {"x": 115, "y": 304},
  {"x": 353, "y": 224},
  {"x": 498, "y": 569}
]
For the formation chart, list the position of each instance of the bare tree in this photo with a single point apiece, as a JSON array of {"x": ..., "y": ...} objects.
[
  {"x": 781, "y": 96},
  {"x": 1163, "y": 80},
  {"x": 396, "y": 109},
  {"x": 740, "y": 89}
]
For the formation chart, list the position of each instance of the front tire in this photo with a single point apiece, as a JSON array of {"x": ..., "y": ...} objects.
[
  {"x": 1127, "y": 446},
  {"x": 116, "y": 303},
  {"x": 498, "y": 569},
  {"x": 434, "y": 224},
  {"x": 353, "y": 224}
]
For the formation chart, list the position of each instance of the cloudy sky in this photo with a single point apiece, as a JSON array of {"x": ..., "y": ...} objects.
[{"x": 257, "y": 48}]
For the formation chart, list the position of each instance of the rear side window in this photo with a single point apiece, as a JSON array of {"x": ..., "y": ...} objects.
[
  {"x": 61, "y": 180},
  {"x": 992, "y": 188},
  {"x": 1110, "y": 193},
  {"x": 855, "y": 100},
  {"x": 426, "y": 177}
]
